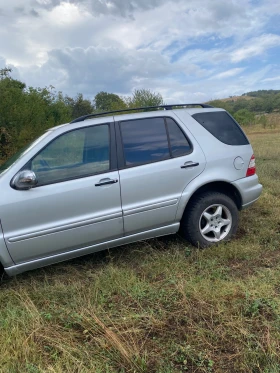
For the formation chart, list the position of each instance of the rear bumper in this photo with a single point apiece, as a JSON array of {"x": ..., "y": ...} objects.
[{"x": 249, "y": 189}]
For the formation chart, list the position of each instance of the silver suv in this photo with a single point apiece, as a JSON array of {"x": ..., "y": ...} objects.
[{"x": 102, "y": 181}]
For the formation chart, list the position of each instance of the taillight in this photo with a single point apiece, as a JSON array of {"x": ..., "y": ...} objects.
[{"x": 252, "y": 167}]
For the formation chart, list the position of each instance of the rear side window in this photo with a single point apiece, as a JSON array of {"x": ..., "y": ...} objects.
[
  {"x": 151, "y": 140},
  {"x": 144, "y": 141},
  {"x": 221, "y": 125},
  {"x": 178, "y": 143}
]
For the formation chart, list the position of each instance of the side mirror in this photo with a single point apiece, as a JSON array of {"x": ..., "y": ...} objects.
[{"x": 24, "y": 180}]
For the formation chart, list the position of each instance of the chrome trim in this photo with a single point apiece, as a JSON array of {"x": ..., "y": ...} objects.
[
  {"x": 62, "y": 228},
  {"x": 24, "y": 180},
  {"x": 153, "y": 206}
]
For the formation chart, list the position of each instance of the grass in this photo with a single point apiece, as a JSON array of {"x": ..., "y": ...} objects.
[{"x": 157, "y": 306}]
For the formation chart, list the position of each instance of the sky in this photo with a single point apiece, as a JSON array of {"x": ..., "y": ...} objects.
[{"x": 187, "y": 50}]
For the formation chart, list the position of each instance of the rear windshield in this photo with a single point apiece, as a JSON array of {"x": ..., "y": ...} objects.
[{"x": 221, "y": 125}]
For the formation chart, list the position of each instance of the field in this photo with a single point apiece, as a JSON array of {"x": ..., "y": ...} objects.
[{"x": 159, "y": 306}]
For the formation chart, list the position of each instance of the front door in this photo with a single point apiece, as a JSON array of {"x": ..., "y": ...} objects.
[
  {"x": 76, "y": 202},
  {"x": 158, "y": 161}
]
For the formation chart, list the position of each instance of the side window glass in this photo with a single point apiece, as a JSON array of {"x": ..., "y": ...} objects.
[
  {"x": 144, "y": 141},
  {"x": 221, "y": 125},
  {"x": 178, "y": 142},
  {"x": 76, "y": 154}
]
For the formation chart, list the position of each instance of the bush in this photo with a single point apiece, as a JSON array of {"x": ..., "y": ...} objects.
[{"x": 244, "y": 117}]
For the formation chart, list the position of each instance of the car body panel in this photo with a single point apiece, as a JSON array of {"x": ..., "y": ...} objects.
[
  {"x": 5, "y": 257},
  {"x": 52, "y": 259},
  {"x": 220, "y": 164},
  {"x": 249, "y": 189},
  {"x": 219, "y": 155},
  {"x": 60, "y": 221},
  {"x": 150, "y": 196},
  {"x": 61, "y": 216}
]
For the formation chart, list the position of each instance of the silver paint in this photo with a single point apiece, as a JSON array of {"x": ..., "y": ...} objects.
[{"x": 56, "y": 222}]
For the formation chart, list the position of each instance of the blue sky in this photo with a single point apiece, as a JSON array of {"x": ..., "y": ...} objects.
[{"x": 189, "y": 51}]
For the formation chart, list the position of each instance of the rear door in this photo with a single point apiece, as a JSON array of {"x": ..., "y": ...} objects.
[{"x": 157, "y": 160}]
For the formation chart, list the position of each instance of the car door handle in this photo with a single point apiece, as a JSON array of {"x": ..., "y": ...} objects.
[
  {"x": 190, "y": 164},
  {"x": 106, "y": 182}
]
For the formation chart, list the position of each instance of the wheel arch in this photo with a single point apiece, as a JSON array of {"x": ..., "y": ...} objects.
[
  {"x": 217, "y": 186},
  {"x": 5, "y": 258}
]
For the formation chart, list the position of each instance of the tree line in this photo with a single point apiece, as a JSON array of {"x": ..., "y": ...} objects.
[
  {"x": 262, "y": 92},
  {"x": 26, "y": 112},
  {"x": 251, "y": 107}
]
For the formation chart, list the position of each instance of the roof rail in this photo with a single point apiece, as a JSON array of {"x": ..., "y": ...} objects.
[{"x": 165, "y": 107}]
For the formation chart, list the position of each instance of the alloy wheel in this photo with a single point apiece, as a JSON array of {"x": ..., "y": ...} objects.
[{"x": 215, "y": 223}]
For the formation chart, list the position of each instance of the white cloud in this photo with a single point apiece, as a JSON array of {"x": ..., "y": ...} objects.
[
  {"x": 107, "y": 68},
  {"x": 193, "y": 49},
  {"x": 275, "y": 78},
  {"x": 229, "y": 73},
  {"x": 255, "y": 47},
  {"x": 103, "y": 7}
]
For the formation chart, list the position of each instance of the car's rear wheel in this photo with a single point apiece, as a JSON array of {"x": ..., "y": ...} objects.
[{"x": 209, "y": 218}]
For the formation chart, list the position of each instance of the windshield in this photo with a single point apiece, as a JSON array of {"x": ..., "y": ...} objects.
[{"x": 20, "y": 153}]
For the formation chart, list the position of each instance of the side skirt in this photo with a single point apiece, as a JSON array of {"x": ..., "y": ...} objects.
[{"x": 42, "y": 262}]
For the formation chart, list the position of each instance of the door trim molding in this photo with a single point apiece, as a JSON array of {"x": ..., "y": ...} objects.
[
  {"x": 61, "y": 228},
  {"x": 37, "y": 263},
  {"x": 152, "y": 206}
]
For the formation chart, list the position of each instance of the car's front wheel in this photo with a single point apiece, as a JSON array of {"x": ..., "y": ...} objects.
[{"x": 209, "y": 218}]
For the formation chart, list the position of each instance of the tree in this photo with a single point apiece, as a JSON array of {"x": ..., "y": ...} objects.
[
  {"x": 5, "y": 140},
  {"x": 78, "y": 106},
  {"x": 240, "y": 104},
  {"x": 143, "y": 98},
  {"x": 104, "y": 101},
  {"x": 268, "y": 104},
  {"x": 5, "y": 73},
  {"x": 26, "y": 112},
  {"x": 256, "y": 105}
]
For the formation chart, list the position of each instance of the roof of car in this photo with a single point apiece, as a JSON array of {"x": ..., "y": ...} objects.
[
  {"x": 137, "y": 113},
  {"x": 141, "y": 109}
]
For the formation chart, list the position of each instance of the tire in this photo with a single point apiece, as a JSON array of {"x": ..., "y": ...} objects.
[
  {"x": 207, "y": 215},
  {"x": 2, "y": 272}
]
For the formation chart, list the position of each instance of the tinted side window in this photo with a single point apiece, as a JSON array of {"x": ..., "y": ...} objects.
[
  {"x": 75, "y": 154},
  {"x": 144, "y": 141},
  {"x": 222, "y": 126},
  {"x": 178, "y": 143}
]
